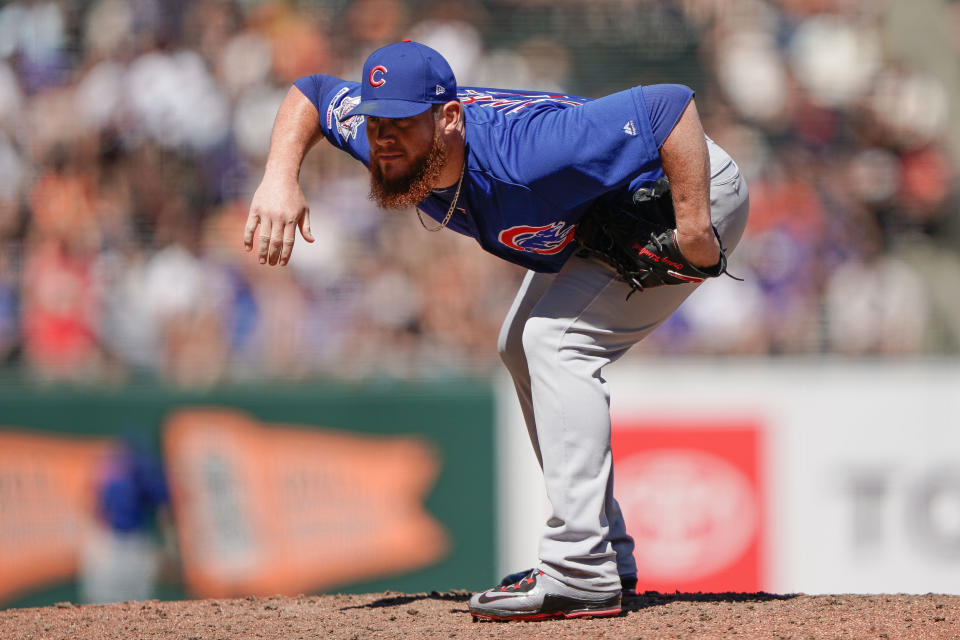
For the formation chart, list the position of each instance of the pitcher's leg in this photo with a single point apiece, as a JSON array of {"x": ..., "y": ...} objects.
[
  {"x": 622, "y": 541},
  {"x": 581, "y": 323},
  {"x": 573, "y": 429},
  {"x": 510, "y": 346}
]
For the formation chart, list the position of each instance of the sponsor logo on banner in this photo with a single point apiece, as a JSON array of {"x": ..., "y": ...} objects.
[
  {"x": 692, "y": 500},
  {"x": 273, "y": 509},
  {"x": 47, "y": 491}
]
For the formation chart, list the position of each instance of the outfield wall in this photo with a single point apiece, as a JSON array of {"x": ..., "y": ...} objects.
[
  {"x": 326, "y": 487},
  {"x": 815, "y": 476}
]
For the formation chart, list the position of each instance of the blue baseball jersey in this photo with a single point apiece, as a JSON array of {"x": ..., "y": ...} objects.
[{"x": 536, "y": 162}]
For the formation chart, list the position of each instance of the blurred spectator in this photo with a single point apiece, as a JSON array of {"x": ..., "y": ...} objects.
[
  {"x": 61, "y": 308},
  {"x": 875, "y": 304},
  {"x": 60, "y": 313},
  {"x": 938, "y": 268},
  {"x": 176, "y": 100},
  {"x": 125, "y": 550},
  {"x": 9, "y": 309},
  {"x": 132, "y": 133},
  {"x": 296, "y": 38},
  {"x": 835, "y": 57},
  {"x": 34, "y": 34}
]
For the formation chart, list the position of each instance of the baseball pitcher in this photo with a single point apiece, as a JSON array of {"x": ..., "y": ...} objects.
[{"x": 619, "y": 207}]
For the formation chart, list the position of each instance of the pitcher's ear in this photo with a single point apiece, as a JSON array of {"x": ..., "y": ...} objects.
[{"x": 452, "y": 114}]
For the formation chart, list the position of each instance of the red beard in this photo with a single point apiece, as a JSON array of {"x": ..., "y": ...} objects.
[{"x": 410, "y": 189}]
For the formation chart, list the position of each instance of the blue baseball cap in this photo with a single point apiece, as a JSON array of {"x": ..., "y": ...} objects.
[{"x": 402, "y": 80}]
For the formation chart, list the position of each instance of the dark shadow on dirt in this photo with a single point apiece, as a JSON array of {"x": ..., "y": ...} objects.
[
  {"x": 406, "y": 598},
  {"x": 630, "y": 603},
  {"x": 649, "y": 599}
]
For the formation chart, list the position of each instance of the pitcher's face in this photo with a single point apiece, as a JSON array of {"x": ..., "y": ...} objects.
[{"x": 406, "y": 158}]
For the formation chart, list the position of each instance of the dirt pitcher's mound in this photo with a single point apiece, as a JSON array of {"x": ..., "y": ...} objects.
[{"x": 444, "y": 615}]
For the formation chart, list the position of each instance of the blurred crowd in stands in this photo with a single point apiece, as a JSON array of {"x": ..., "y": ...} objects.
[{"x": 133, "y": 133}]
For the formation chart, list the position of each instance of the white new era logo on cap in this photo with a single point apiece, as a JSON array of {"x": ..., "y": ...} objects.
[{"x": 440, "y": 90}]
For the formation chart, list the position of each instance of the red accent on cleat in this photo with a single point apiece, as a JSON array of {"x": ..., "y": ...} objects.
[
  {"x": 594, "y": 614},
  {"x": 530, "y": 617}
]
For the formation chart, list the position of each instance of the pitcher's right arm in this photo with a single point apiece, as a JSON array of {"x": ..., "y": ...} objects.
[{"x": 279, "y": 206}]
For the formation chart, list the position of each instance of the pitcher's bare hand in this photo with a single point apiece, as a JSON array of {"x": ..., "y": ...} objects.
[{"x": 278, "y": 208}]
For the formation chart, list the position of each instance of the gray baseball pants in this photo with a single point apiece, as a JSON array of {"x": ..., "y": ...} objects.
[{"x": 560, "y": 331}]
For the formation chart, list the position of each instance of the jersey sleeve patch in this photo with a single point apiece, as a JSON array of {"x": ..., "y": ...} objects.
[
  {"x": 339, "y": 107},
  {"x": 336, "y": 98}
]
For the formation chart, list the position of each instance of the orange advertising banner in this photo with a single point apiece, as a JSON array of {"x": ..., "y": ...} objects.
[
  {"x": 47, "y": 497},
  {"x": 276, "y": 509}
]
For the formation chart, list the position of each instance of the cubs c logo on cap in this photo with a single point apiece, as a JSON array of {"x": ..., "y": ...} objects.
[
  {"x": 419, "y": 77},
  {"x": 374, "y": 81}
]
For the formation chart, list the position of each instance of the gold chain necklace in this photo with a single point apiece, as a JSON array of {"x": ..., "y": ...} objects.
[{"x": 453, "y": 205}]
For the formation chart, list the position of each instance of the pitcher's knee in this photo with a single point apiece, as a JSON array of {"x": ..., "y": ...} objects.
[
  {"x": 510, "y": 348},
  {"x": 541, "y": 338}
]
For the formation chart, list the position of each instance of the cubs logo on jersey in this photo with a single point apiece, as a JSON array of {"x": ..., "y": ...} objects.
[
  {"x": 546, "y": 240},
  {"x": 347, "y": 128}
]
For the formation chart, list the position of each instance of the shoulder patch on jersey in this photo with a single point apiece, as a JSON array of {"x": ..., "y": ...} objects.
[
  {"x": 330, "y": 106},
  {"x": 546, "y": 240},
  {"x": 348, "y": 128}
]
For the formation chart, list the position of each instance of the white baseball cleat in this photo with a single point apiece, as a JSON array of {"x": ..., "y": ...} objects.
[
  {"x": 537, "y": 596},
  {"x": 628, "y": 583}
]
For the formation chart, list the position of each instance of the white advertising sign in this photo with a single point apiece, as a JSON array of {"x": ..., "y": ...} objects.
[{"x": 856, "y": 465}]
